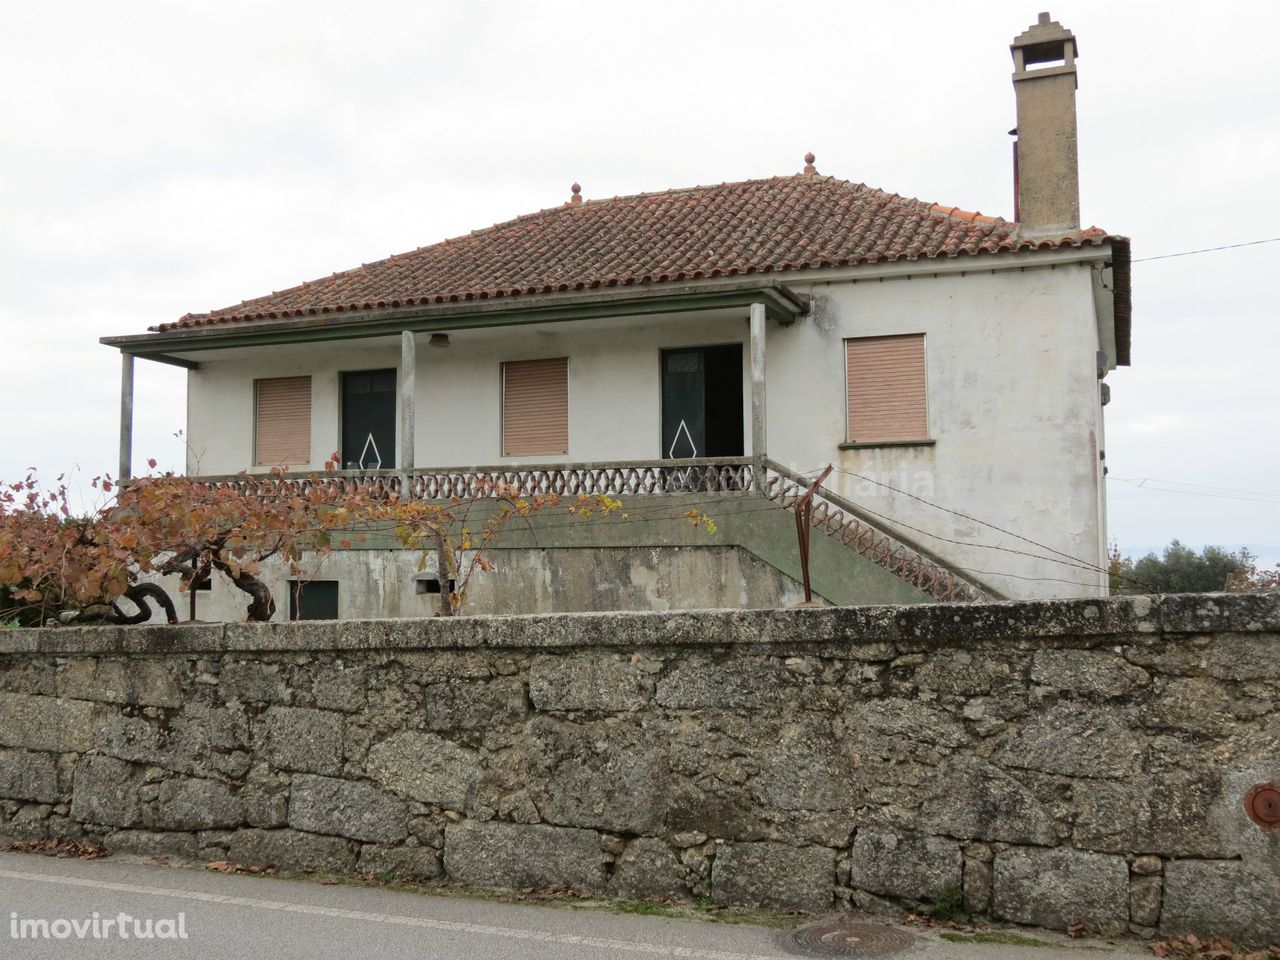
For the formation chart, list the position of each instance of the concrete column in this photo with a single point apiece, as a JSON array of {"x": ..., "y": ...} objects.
[
  {"x": 126, "y": 417},
  {"x": 758, "y": 415},
  {"x": 408, "y": 397}
]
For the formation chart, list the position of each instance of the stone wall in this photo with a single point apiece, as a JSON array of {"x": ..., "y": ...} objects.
[{"x": 1054, "y": 761}]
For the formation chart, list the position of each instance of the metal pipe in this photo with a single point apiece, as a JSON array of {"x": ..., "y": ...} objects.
[{"x": 804, "y": 517}]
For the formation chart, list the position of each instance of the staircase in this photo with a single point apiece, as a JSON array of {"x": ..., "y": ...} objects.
[{"x": 846, "y": 523}]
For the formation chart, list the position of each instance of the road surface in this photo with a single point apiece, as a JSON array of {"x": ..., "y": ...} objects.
[{"x": 243, "y": 917}]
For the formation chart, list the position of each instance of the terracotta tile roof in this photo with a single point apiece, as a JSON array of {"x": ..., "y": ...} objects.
[{"x": 798, "y": 222}]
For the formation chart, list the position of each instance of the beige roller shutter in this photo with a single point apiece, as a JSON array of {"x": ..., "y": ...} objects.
[
  {"x": 282, "y": 422},
  {"x": 886, "y": 383},
  {"x": 535, "y": 408}
]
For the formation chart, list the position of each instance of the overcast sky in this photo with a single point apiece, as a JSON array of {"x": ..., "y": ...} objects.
[{"x": 161, "y": 157}]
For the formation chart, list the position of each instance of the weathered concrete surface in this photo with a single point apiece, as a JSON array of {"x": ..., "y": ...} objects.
[
  {"x": 714, "y": 573},
  {"x": 1053, "y": 762}
]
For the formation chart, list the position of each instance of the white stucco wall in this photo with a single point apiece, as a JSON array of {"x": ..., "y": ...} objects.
[
  {"x": 614, "y": 387},
  {"x": 1013, "y": 406}
]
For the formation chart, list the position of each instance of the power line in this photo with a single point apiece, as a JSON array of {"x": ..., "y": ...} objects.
[
  {"x": 1074, "y": 561},
  {"x": 772, "y": 505},
  {"x": 1190, "y": 253},
  {"x": 627, "y": 517},
  {"x": 1208, "y": 486},
  {"x": 1082, "y": 565},
  {"x": 652, "y": 513},
  {"x": 1258, "y": 498},
  {"x": 1015, "y": 576}
]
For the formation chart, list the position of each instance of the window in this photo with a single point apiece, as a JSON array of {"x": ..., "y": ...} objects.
[
  {"x": 885, "y": 379},
  {"x": 432, "y": 585},
  {"x": 313, "y": 599},
  {"x": 535, "y": 407},
  {"x": 282, "y": 422}
]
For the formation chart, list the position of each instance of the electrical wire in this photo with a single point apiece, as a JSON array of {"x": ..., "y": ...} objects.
[
  {"x": 1141, "y": 485},
  {"x": 629, "y": 517},
  {"x": 1091, "y": 568},
  {"x": 1191, "y": 253},
  {"x": 544, "y": 522},
  {"x": 1207, "y": 486},
  {"x": 1073, "y": 561}
]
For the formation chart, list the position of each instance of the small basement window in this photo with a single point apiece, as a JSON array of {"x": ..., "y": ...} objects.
[
  {"x": 313, "y": 599},
  {"x": 432, "y": 585}
]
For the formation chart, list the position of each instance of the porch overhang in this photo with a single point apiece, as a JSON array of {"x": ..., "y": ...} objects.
[{"x": 780, "y": 303}]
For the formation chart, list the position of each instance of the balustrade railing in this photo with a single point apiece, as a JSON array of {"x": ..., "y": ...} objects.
[
  {"x": 631, "y": 478},
  {"x": 831, "y": 514}
]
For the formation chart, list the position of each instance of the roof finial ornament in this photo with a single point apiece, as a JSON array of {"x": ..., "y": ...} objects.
[
  {"x": 577, "y": 193},
  {"x": 809, "y": 168}
]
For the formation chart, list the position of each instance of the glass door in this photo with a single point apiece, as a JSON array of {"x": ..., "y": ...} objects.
[
  {"x": 683, "y": 404},
  {"x": 702, "y": 403},
  {"x": 369, "y": 420}
]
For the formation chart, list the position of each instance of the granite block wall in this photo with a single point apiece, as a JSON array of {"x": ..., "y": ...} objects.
[{"x": 1053, "y": 762}]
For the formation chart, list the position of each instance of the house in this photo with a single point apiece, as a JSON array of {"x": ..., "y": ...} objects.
[{"x": 719, "y": 344}]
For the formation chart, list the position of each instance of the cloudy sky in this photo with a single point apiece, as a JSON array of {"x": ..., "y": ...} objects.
[{"x": 160, "y": 157}]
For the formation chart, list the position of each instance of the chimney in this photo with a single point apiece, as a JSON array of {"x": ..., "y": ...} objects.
[{"x": 1046, "y": 172}]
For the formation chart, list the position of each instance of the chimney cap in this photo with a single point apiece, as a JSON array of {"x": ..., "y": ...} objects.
[{"x": 1045, "y": 41}]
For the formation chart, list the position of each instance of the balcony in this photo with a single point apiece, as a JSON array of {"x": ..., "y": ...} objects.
[{"x": 620, "y": 479}]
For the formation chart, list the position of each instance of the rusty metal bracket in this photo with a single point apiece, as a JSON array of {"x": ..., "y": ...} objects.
[{"x": 804, "y": 511}]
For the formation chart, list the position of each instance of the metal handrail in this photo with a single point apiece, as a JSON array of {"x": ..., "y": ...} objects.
[{"x": 846, "y": 522}]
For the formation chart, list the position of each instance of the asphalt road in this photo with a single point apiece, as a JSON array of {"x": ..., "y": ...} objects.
[{"x": 241, "y": 917}]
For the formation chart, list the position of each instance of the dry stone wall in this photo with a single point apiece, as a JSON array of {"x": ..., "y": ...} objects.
[{"x": 1053, "y": 762}]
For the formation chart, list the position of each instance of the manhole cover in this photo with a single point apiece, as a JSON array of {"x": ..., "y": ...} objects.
[
  {"x": 1262, "y": 804},
  {"x": 840, "y": 938}
]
